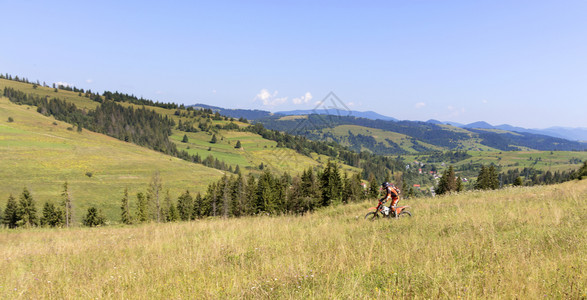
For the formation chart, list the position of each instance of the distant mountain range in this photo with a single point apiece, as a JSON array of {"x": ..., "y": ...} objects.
[
  {"x": 343, "y": 113},
  {"x": 572, "y": 134}
]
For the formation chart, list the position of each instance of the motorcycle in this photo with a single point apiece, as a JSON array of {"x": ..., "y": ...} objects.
[{"x": 385, "y": 212}]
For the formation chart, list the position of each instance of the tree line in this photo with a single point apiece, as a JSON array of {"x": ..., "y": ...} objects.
[
  {"x": 238, "y": 195},
  {"x": 23, "y": 213},
  {"x": 489, "y": 179}
]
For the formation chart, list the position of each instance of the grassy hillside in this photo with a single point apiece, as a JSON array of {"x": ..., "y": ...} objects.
[
  {"x": 523, "y": 243},
  {"x": 40, "y": 153},
  {"x": 256, "y": 150},
  {"x": 381, "y": 136}
]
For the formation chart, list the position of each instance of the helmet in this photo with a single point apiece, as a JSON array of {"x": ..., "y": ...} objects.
[{"x": 385, "y": 184}]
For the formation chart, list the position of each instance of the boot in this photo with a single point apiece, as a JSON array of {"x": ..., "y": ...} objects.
[{"x": 392, "y": 211}]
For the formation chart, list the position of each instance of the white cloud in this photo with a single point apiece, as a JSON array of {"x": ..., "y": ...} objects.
[
  {"x": 454, "y": 111},
  {"x": 269, "y": 99},
  {"x": 62, "y": 83},
  {"x": 419, "y": 105},
  {"x": 351, "y": 104},
  {"x": 303, "y": 99},
  {"x": 484, "y": 101},
  {"x": 213, "y": 91},
  {"x": 89, "y": 80}
]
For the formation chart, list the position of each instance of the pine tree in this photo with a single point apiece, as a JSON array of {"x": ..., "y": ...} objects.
[
  {"x": 142, "y": 208},
  {"x": 373, "y": 187},
  {"x": 11, "y": 213},
  {"x": 250, "y": 195},
  {"x": 460, "y": 186},
  {"x": 447, "y": 183},
  {"x": 52, "y": 216},
  {"x": 67, "y": 205},
  {"x": 224, "y": 192},
  {"x": 27, "y": 211},
  {"x": 214, "y": 139},
  {"x": 94, "y": 217},
  {"x": 481, "y": 183},
  {"x": 265, "y": 201},
  {"x": 198, "y": 206},
  {"x": 169, "y": 211},
  {"x": 451, "y": 182},
  {"x": 185, "y": 206},
  {"x": 153, "y": 194},
  {"x": 185, "y": 138},
  {"x": 487, "y": 179},
  {"x": 493, "y": 180},
  {"x": 125, "y": 215},
  {"x": 330, "y": 184},
  {"x": 238, "y": 144}
]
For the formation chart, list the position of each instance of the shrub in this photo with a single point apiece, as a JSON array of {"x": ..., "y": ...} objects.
[{"x": 10, "y": 120}]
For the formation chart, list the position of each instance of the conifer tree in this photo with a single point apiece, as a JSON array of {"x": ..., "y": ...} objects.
[
  {"x": 153, "y": 194},
  {"x": 237, "y": 195},
  {"x": 27, "y": 211},
  {"x": 250, "y": 195},
  {"x": 480, "y": 184},
  {"x": 214, "y": 139},
  {"x": 142, "y": 208},
  {"x": 238, "y": 144},
  {"x": 331, "y": 184},
  {"x": 94, "y": 217},
  {"x": 11, "y": 213},
  {"x": 224, "y": 192},
  {"x": 373, "y": 187},
  {"x": 451, "y": 182},
  {"x": 487, "y": 179},
  {"x": 310, "y": 194},
  {"x": 169, "y": 211},
  {"x": 52, "y": 216},
  {"x": 493, "y": 181},
  {"x": 67, "y": 205},
  {"x": 198, "y": 206},
  {"x": 185, "y": 137},
  {"x": 185, "y": 206},
  {"x": 125, "y": 215},
  {"x": 265, "y": 201},
  {"x": 459, "y": 184}
]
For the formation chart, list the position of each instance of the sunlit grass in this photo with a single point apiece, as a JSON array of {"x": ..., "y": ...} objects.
[{"x": 523, "y": 243}]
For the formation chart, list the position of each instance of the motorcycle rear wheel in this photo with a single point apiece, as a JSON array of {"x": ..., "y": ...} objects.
[{"x": 404, "y": 213}]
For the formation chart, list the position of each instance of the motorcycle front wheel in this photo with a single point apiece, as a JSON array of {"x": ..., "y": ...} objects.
[{"x": 372, "y": 216}]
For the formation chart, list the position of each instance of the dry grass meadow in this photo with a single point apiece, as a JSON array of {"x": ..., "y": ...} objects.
[{"x": 524, "y": 243}]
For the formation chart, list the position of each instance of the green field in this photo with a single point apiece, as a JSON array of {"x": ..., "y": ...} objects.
[
  {"x": 40, "y": 153},
  {"x": 508, "y": 160},
  {"x": 516, "y": 243}
]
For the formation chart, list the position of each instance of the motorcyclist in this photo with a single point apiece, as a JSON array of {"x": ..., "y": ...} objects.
[{"x": 391, "y": 193}]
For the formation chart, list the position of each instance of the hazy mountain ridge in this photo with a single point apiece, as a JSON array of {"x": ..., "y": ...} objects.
[{"x": 335, "y": 112}]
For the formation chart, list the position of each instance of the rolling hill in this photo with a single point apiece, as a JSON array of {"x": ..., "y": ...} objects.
[
  {"x": 425, "y": 136},
  {"x": 41, "y": 153}
]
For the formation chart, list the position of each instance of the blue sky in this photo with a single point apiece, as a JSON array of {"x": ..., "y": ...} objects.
[{"x": 522, "y": 63}]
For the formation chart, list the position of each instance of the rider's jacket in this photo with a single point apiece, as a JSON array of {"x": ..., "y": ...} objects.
[{"x": 391, "y": 194}]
